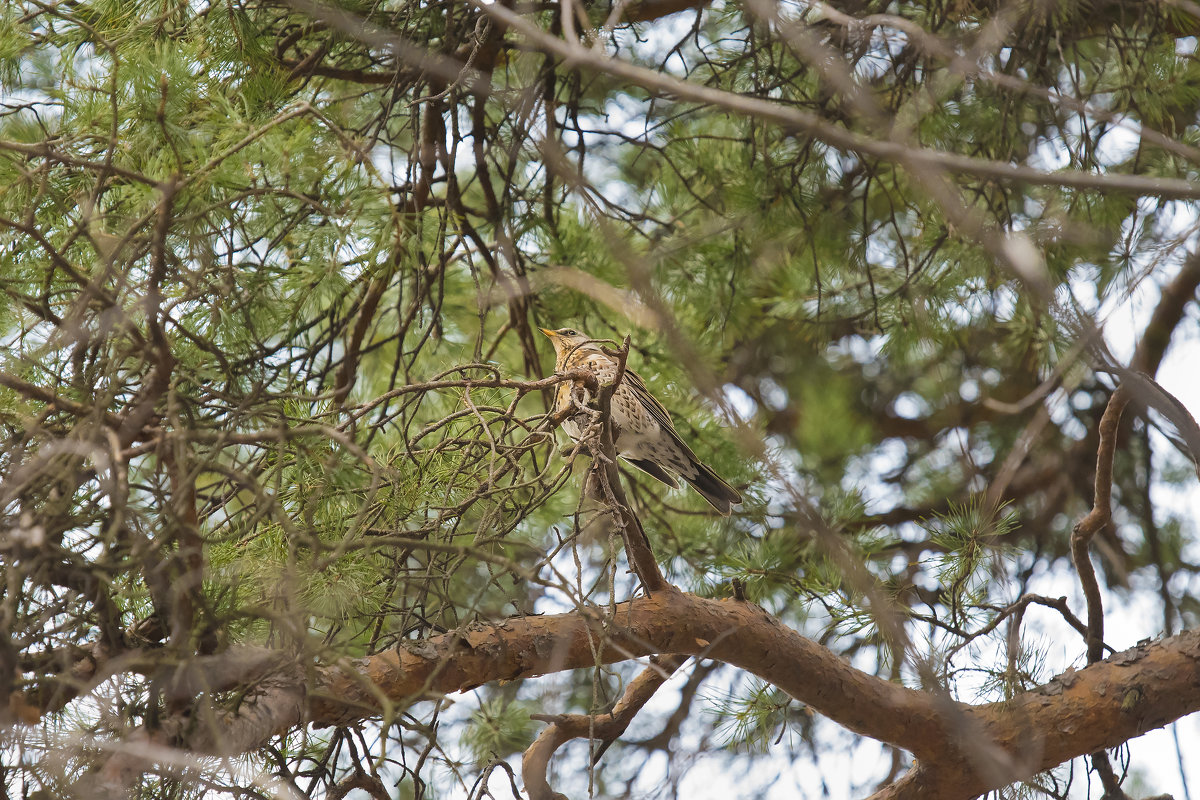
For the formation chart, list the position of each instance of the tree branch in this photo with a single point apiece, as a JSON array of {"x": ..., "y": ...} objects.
[
  {"x": 1166, "y": 317},
  {"x": 611, "y": 492},
  {"x": 963, "y": 750},
  {"x": 1097, "y": 518},
  {"x": 577, "y": 57},
  {"x": 606, "y": 728},
  {"x": 1081, "y": 537}
]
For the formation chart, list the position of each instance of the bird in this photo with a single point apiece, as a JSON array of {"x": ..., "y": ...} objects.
[{"x": 643, "y": 433}]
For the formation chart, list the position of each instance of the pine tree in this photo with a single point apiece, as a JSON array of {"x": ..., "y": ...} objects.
[{"x": 284, "y": 500}]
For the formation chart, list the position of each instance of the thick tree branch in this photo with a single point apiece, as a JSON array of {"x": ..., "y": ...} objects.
[
  {"x": 1078, "y": 712},
  {"x": 667, "y": 621},
  {"x": 963, "y": 750},
  {"x": 1166, "y": 317},
  {"x": 647, "y": 10},
  {"x": 57, "y": 402}
]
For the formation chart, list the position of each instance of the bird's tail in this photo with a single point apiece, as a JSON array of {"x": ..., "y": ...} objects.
[{"x": 719, "y": 494}]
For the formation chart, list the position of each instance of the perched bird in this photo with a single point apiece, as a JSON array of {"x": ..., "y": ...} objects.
[{"x": 642, "y": 430}]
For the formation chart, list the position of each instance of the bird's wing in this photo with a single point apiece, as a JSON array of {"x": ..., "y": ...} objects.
[
  {"x": 657, "y": 410},
  {"x": 650, "y": 468}
]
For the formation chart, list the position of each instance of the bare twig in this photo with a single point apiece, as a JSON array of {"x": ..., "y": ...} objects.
[
  {"x": 1168, "y": 313},
  {"x": 1059, "y": 604},
  {"x": 606, "y": 728},
  {"x": 1085, "y": 529},
  {"x": 1097, "y": 518}
]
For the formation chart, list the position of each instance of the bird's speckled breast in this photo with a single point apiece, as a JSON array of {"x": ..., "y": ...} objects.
[{"x": 634, "y": 430}]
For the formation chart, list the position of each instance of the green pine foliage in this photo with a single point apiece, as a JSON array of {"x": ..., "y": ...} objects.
[
  {"x": 350, "y": 237},
  {"x": 758, "y": 720},
  {"x": 498, "y": 728}
]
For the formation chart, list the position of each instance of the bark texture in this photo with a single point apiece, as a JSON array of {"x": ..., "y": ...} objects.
[{"x": 962, "y": 750}]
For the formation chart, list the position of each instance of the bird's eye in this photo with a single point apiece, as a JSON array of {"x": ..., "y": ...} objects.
[{"x": 569, "y": 332}]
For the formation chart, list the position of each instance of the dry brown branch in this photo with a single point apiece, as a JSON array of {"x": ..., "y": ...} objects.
[
  {"x": 44, "y": 150},
  {"x": 55, "y": 401},
  {"x": 472, "y": 383},
  {"x": 962, "y": 750},
  {"x": 1100, "y": 706},
  {"x": 1085, "y": 529},
  {"x": 1148, "y": 393},
  {"x": 344, "y": 381},
  {"x": 647, "y": 10},
  {"x": 1097, "y": 518},
  {"x": 1166, "y": 317},
  {"x": 363, "y": 782},
  {"x": 605, "y": 728},
  {"x": 421, "y": 59},
  {"x": 1017, "y": 609}
]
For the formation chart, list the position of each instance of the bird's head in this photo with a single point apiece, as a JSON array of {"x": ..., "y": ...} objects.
[{"x": 566, "y": 340}]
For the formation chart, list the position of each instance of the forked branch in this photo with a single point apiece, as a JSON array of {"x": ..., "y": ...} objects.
[{"x": 605, "y": 728}]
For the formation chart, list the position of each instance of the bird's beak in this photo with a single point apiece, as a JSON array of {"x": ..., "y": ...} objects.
[{"x": 547, "y": 331}]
